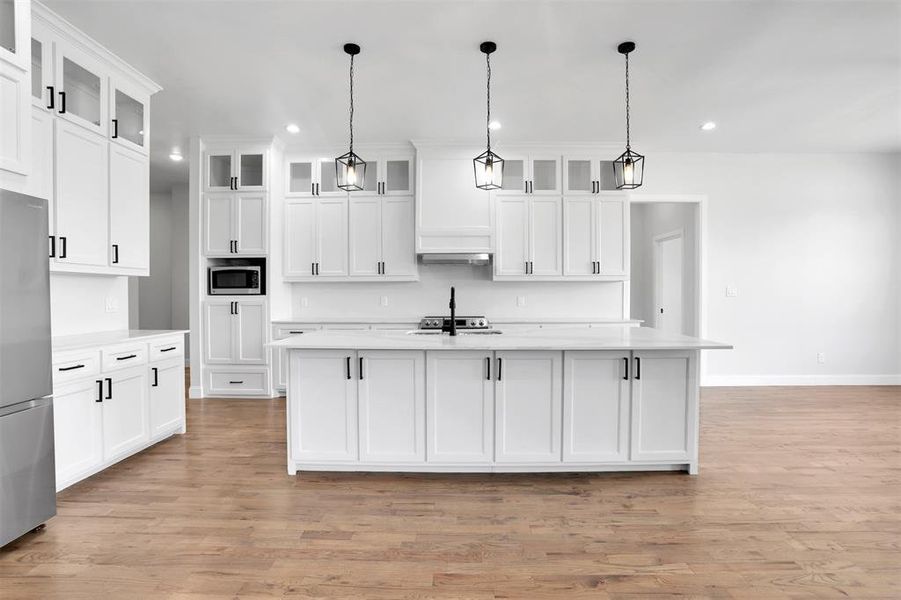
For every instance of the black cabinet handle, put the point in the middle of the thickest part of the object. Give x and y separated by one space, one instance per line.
383 267
348 367
317 268
115 254
237 307
63 246
168 349
129 357
312 268
500 365
361 368
626 367
488 367
236 246
637 367
531 187
156 377
109 388
115 128
312 189
72 368
295 332
52 97
99 391
62 103
526 184
317 189
237 382
52 246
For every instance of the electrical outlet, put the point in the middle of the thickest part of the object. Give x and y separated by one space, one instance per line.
112 304
821 358
520 301
731 292
384 301
304 302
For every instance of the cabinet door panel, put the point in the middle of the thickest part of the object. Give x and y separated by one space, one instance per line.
331 236
545 236
82 195
40 179
218 229
130 118
397 175
77 430
579 236
365 235
250 212
323 409
14 119
129 208
528 409
545 176
167 397
251 328
512 236
392 406
300 177
126 412
460 407
85 85
219 328
578 175
613 233
252 169
300 238
398 252
664 405
219 170
595 407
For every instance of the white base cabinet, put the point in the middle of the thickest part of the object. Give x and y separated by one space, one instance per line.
486 411
110 402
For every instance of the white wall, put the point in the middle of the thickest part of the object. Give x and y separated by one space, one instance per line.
811 242
78 303
649 220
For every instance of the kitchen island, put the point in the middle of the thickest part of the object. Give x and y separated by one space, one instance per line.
565 399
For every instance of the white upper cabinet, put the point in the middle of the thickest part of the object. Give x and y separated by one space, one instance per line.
15 84
129 116
512 237
596 234
82 88
529 232
381 237
585 174
235 224
15 24
43 94
129 212
230 169
315 238
531 174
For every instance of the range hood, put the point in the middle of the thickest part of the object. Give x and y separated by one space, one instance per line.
457 258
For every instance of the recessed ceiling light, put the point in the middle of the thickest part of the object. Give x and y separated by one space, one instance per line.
494 125
292 128
708 126
175 155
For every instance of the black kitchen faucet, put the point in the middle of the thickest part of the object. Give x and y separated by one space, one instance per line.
452 328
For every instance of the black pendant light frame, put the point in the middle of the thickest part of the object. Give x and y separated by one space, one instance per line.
488 167
350 169
628 168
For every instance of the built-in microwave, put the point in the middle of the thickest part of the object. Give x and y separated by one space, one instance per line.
234 280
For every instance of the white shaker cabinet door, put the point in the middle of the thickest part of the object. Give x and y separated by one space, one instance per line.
664 405
460 406
331 237
129 184
15 118
251 229
81 196
596 406
613 234
512 236
77 429
40 179
218 224
528 406
126 412
365 235
219 331
545 233
392 406
323 405
251 332
167 397
398 254
300 238
579 236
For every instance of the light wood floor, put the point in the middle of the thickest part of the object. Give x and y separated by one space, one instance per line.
799 496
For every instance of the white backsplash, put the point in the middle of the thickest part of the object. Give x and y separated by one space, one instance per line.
78 303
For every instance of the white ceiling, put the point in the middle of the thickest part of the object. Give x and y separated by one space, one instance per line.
775 76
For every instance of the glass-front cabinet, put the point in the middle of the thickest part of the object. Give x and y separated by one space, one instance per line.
230 169
584 175
395 175
15 19
528 174
386 175
129 116
81 89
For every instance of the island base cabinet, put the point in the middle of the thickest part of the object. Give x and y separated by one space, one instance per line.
460 407
322 406
125 412
664 406
167 393
391 387
528 411
596 395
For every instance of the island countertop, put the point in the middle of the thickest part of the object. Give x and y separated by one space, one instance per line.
560 338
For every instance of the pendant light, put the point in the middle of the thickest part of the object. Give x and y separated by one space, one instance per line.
628 169
350 169
488 166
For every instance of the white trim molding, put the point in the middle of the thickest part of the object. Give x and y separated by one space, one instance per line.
797 380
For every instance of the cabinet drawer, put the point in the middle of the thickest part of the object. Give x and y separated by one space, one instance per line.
283 331
237 383
166 349
123 356
71 366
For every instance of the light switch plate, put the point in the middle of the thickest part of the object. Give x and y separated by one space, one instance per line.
384 301
821 358
304 302
520 301
731 292
112 304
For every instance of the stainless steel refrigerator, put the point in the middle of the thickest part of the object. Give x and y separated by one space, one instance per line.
27 470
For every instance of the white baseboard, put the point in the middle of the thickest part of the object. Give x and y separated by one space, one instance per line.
768 380
195 391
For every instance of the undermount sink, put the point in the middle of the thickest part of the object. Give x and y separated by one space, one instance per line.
464 332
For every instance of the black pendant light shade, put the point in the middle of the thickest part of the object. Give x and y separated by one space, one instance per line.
488 166
350 169
628 169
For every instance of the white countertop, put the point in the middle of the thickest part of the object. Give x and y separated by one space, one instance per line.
106 338
558 338
399 320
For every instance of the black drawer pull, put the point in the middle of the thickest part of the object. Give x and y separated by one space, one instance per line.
242 381
71 368
126 357
168 349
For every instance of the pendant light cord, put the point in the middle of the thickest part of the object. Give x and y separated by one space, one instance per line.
628 132
351 103
488 117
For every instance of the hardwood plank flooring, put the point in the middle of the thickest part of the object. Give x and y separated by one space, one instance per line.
799 496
